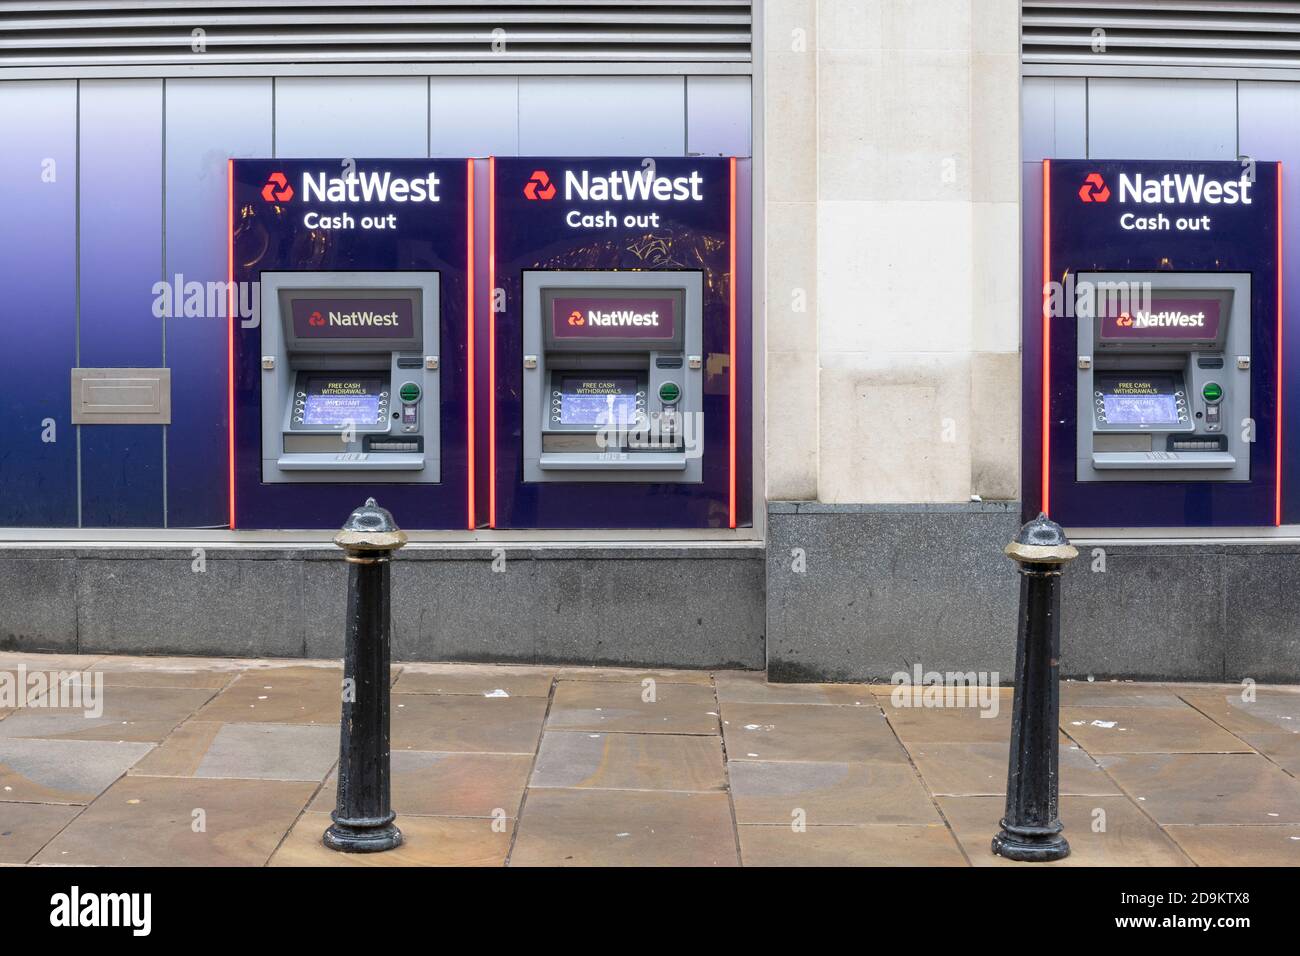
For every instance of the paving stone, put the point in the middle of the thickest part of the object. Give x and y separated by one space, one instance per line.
953 725
1239 845
1281 749
152 821
629 761
271 752
481 680
624 828
300 695
145 714
462 723
870 845
1129 838
1079 693
26 827
1208 788
450 785
206 672
1271 712
823 793
63 771
619 706
426 841
1116 730
11 661
981 768
635 676
808 732
746 687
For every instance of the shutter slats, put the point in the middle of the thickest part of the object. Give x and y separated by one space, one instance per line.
1106 35
80 33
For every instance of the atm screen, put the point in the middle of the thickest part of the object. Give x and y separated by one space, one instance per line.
1141 410
1140 399
338 400
597 401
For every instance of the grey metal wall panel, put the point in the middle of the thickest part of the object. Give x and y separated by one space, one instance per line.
474 116
617 115
718 116
207 122
355 117
1162 119
1054 118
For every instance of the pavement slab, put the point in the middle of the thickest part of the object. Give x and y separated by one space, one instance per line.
482 680
624 828
808 732
63 771
872 845
746 687
974 769
245 751
426 841
627 707
300 695
1208 788
1271 711
629 761
1239 845
1116 730
635 676
463 723
26 827
449 784
181 821
145 714
829 794
951 725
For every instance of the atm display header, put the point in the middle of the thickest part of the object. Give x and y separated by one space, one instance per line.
603 317
353 318
1165 320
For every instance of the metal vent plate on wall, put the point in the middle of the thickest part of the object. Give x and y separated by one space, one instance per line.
143 33
1108 37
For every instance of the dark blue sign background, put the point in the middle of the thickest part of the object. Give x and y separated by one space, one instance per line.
1087 237
690 235
430 237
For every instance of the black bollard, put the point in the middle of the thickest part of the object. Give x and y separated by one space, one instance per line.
363 817
1031 828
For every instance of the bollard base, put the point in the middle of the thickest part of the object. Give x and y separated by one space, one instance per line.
1031 845
350 839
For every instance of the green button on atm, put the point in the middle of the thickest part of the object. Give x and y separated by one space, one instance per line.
669 393
1212 391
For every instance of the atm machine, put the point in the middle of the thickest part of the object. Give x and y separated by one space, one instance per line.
613 376
350 387
1164 378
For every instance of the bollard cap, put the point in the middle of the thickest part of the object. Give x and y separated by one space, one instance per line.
370 528
1041 541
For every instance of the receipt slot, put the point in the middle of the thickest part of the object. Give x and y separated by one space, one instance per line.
350 377
613 379
1164 378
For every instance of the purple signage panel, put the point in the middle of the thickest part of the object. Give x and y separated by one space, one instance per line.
600 317
1130 216
1167 320
353 318
611 214
391 215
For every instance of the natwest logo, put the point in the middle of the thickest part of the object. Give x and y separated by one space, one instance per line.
575 318
316 318
1094 188
370 186
641 184
1184 188
619 317
539 186
277 188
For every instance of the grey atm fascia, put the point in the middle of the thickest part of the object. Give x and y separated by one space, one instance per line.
321 455
1107 452
539 361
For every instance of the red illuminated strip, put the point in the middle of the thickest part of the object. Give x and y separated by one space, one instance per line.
1277 437
1045 491
230 331
469 305
492 342
731 461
